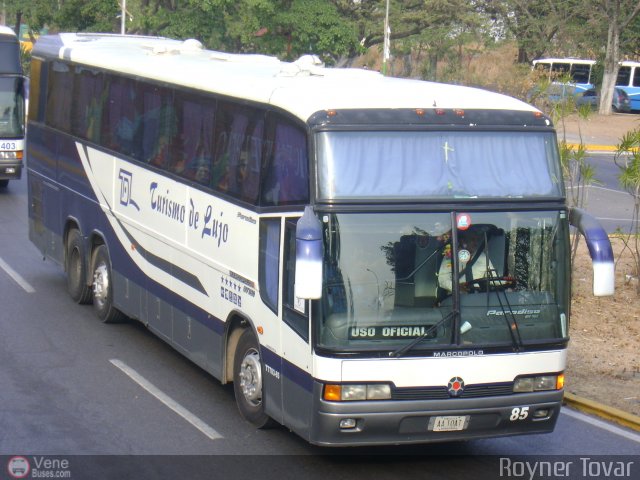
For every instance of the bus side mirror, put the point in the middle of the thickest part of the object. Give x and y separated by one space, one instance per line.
308 278
600 251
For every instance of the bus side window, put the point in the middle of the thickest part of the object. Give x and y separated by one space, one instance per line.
120 127
38 81
60 93
286 179
636 77
195 147
269 262
624 73
158 126
88 104
295 311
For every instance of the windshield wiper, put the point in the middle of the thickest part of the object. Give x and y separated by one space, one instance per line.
514 331
405 348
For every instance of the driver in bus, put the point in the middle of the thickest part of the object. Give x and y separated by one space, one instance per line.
472 261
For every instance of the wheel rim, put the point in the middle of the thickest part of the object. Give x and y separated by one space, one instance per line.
251 377
100 284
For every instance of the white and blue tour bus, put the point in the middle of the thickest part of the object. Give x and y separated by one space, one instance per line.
12 107
578 70
295 229
629 80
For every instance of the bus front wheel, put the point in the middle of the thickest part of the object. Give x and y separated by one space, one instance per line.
248 381
103 287
76 268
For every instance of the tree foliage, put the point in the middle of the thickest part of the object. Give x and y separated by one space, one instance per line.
425 34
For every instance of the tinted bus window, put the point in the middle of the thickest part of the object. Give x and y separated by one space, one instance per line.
159 125
192 149
624 73
286 179
60 93
239 141
88 104
120 125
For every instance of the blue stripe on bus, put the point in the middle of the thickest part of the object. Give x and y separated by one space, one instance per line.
59 153
287 369
169 268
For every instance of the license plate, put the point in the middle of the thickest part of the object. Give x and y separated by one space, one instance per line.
448 424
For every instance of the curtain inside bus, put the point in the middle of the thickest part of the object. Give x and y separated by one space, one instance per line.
437 164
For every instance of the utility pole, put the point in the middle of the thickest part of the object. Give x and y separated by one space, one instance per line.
123 17
386 54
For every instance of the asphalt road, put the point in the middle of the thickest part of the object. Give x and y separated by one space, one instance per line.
113 401
611 205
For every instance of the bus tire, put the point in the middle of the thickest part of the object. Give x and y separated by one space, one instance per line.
76 268
248 374
103 287
4 183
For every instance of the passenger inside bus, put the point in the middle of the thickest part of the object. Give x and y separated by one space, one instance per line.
474 260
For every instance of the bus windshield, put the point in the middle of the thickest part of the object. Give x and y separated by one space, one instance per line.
389 278
11 107
437 164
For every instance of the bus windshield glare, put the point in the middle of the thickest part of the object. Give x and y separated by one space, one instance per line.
11 107
388 279
437 164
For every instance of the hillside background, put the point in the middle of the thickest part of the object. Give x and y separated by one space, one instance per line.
488 43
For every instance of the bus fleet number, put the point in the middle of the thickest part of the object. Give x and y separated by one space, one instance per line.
8 146
519 413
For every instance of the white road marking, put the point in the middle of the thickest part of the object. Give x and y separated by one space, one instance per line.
16 277
606 189
168 401
602 424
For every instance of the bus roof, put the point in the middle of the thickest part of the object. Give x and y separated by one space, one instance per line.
565 60
302 87
629 63
7 31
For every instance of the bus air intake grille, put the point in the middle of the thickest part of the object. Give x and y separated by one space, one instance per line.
441 393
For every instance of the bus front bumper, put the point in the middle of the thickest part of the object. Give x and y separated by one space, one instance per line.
10 169
405 422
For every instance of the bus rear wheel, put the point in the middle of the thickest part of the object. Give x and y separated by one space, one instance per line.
248 381
76 268
103 287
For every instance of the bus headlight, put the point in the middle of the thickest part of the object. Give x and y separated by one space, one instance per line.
538 383
350 393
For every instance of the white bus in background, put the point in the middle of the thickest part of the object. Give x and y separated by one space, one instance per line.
579 71
629 81
12 107
291 229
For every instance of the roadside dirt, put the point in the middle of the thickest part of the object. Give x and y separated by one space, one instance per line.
604 360
604 364
598 129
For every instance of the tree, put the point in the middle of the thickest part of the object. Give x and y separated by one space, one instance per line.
37 14
627 160
287 28
431 25
619 14
86 16
539 27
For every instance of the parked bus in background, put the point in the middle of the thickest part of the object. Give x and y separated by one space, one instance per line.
369 260
629 81
12 107
579 72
